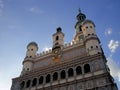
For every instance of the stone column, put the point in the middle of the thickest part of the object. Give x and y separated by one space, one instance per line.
44 80
51 79
37 82
58 77
66 71
74 71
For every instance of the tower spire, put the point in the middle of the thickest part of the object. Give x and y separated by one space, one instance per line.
80 17
79 10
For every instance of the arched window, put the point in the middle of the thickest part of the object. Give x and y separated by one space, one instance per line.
48 78
34 82
78 70
22 85
96 46
91 46
86 68
57 38
88 34
27 69
86 27
41 80
98 52
63 74
70 72
57 43
90 26
80 29
55 76
28 84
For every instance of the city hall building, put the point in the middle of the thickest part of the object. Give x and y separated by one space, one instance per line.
78 65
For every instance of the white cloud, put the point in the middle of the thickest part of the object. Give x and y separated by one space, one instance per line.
114 69
108 31
46 48
113 45
1 7
35 10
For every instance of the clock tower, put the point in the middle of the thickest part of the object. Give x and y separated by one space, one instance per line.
58 43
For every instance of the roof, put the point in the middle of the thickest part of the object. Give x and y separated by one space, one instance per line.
33 44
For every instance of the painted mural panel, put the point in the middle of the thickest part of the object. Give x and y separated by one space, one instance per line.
74 53
43 63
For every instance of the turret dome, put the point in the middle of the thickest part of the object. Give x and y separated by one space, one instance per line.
87 21
33 44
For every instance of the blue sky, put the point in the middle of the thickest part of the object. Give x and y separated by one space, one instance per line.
23 21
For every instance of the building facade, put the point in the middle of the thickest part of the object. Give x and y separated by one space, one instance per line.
79 65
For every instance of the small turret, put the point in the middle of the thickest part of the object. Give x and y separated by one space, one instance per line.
88 28
85 31
91 40
58 37
58 43
32 49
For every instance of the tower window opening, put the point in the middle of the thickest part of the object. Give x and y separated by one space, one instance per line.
57 38
88 34
90 26
63 74
31 49
28 84
55 76
96 46
80 29
78 70
30 56
86 68
27 69
98 52
56 43
82 18
86 27
91 46
41 80
70 72
22 85
48 78
34 82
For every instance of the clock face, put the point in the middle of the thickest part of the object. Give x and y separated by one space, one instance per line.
57 51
